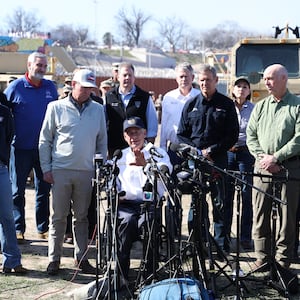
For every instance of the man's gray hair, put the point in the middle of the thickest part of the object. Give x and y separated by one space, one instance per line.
185 66
207 68
32 57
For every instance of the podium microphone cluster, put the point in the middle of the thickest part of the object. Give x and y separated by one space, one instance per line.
187 151
113 162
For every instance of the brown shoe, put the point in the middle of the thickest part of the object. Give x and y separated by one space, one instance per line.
17 270
43 235
53 268
85 267
20 238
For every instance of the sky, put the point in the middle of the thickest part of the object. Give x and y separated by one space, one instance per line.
99 15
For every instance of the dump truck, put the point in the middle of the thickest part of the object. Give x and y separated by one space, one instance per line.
250 57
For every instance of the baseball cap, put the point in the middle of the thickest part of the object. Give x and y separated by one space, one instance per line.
85 77
115 66
68 79
242 79
133 122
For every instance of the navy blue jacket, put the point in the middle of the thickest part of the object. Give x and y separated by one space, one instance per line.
212 123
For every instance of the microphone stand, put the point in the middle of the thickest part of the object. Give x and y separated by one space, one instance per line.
109 173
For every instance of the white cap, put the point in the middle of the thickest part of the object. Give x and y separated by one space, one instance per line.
85 77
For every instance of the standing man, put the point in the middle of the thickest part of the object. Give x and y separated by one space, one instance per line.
273 138
113 80
209 122
10 251
28 98
172 106
124 101
73 132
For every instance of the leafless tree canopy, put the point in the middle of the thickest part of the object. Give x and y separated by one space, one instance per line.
173 30
132 24
22 21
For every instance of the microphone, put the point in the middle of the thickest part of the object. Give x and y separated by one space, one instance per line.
113 162
147 192
122 195
116 156
186 151
166 172
98 160
152 150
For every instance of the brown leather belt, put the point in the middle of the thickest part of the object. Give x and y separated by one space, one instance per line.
238 149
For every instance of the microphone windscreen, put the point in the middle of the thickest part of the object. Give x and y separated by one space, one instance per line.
164 169
117 154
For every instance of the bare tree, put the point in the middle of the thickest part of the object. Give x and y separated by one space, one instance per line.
172 29
132 24
22 21
224 35
82 33
65 35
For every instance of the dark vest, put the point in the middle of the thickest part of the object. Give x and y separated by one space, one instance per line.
116 114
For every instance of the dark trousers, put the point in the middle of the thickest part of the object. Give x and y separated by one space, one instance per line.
130 221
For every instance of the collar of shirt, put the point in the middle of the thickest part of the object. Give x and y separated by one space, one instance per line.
31 83
126 97
282 100
80 107
210 100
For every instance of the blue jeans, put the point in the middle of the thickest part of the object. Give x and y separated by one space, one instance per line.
10 251
241 161
21 163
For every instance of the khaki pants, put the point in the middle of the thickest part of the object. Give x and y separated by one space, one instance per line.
286 216
70 188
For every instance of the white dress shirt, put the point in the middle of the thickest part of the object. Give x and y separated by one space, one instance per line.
172 105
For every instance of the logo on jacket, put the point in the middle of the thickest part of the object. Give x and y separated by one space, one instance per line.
137 104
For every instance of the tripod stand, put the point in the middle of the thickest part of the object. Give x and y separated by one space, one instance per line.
237 279
200 236
105 181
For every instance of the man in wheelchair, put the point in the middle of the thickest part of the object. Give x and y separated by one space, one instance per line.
135 184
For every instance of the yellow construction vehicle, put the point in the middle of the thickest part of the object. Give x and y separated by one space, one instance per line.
250 56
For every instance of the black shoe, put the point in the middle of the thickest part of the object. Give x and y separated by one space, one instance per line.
85 267
17 270
246 245
53 268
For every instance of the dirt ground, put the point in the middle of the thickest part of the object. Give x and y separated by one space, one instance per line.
38 285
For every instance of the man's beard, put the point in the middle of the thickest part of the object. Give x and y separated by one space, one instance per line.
38 76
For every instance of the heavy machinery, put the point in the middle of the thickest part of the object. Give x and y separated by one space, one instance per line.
13 62
250 56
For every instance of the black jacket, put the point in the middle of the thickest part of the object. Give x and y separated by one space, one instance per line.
211 124
6 133
116 113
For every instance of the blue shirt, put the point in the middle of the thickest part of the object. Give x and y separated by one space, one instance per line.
243 117
152 124
28 105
